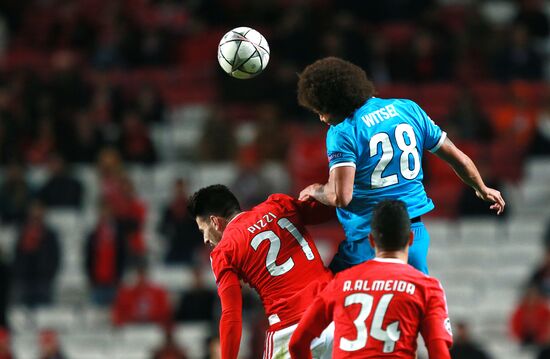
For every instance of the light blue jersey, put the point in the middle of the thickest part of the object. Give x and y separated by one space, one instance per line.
384 140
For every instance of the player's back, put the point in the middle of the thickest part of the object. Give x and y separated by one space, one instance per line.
271 250
384 139
380 306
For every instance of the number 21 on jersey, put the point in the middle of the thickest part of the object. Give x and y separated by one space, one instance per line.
408 150
275 246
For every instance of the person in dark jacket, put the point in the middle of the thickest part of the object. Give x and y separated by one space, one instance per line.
61 190
105 257
464 347
4 290
179 229
50 348
37 259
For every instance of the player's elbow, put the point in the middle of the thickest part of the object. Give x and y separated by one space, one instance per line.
343 199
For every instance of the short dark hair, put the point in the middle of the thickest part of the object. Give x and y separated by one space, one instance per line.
215 200
390 225
334 86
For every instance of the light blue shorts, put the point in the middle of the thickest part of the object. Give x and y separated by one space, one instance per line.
352 253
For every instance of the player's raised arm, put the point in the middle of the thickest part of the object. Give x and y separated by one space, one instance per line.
465 168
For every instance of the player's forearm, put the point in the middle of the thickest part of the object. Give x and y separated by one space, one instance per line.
230 321
437 349
299 346
463 165
230 338
465 168
326 195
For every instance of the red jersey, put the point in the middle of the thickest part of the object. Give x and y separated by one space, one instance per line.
269 248
378 308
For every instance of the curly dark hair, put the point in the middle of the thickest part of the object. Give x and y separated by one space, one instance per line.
334 86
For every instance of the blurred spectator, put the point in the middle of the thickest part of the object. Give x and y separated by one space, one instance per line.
149 105
250 184
463 346
37 259
15 195
218 139
469 204
49 345
467 120
534 18
141 302
169 349
87 140
61 188
530 321
43 143
5 345
545 351
213 348
130 211
105 257
272 140
541 276
196 303
514 120
179 230
111 174
540 144
5 279
518 59
134 142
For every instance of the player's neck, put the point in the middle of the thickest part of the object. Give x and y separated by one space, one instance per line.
401 255
233 216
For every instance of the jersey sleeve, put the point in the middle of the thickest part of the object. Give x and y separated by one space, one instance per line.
341 149
436 324
314 212
221 259
433 135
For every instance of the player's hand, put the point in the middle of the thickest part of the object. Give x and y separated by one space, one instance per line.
494 196
309 192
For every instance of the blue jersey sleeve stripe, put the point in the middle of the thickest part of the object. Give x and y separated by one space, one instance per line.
343 164
439 143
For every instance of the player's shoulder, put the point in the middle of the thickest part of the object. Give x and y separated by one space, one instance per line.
426 280
277 201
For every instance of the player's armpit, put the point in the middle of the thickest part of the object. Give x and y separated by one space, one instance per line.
438 349
229 290
312 324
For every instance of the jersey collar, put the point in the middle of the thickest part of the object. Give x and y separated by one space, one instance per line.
388 260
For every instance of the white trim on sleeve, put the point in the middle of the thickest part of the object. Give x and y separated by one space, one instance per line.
343 164
439 143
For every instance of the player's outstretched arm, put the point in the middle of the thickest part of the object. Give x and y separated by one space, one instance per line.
337 192
465 168
229 291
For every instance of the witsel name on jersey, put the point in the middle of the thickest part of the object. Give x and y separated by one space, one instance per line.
375 117
389 285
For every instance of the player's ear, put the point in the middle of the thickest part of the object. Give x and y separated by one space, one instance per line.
215 220
411 238
371 240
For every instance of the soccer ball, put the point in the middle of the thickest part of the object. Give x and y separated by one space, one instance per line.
243 53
